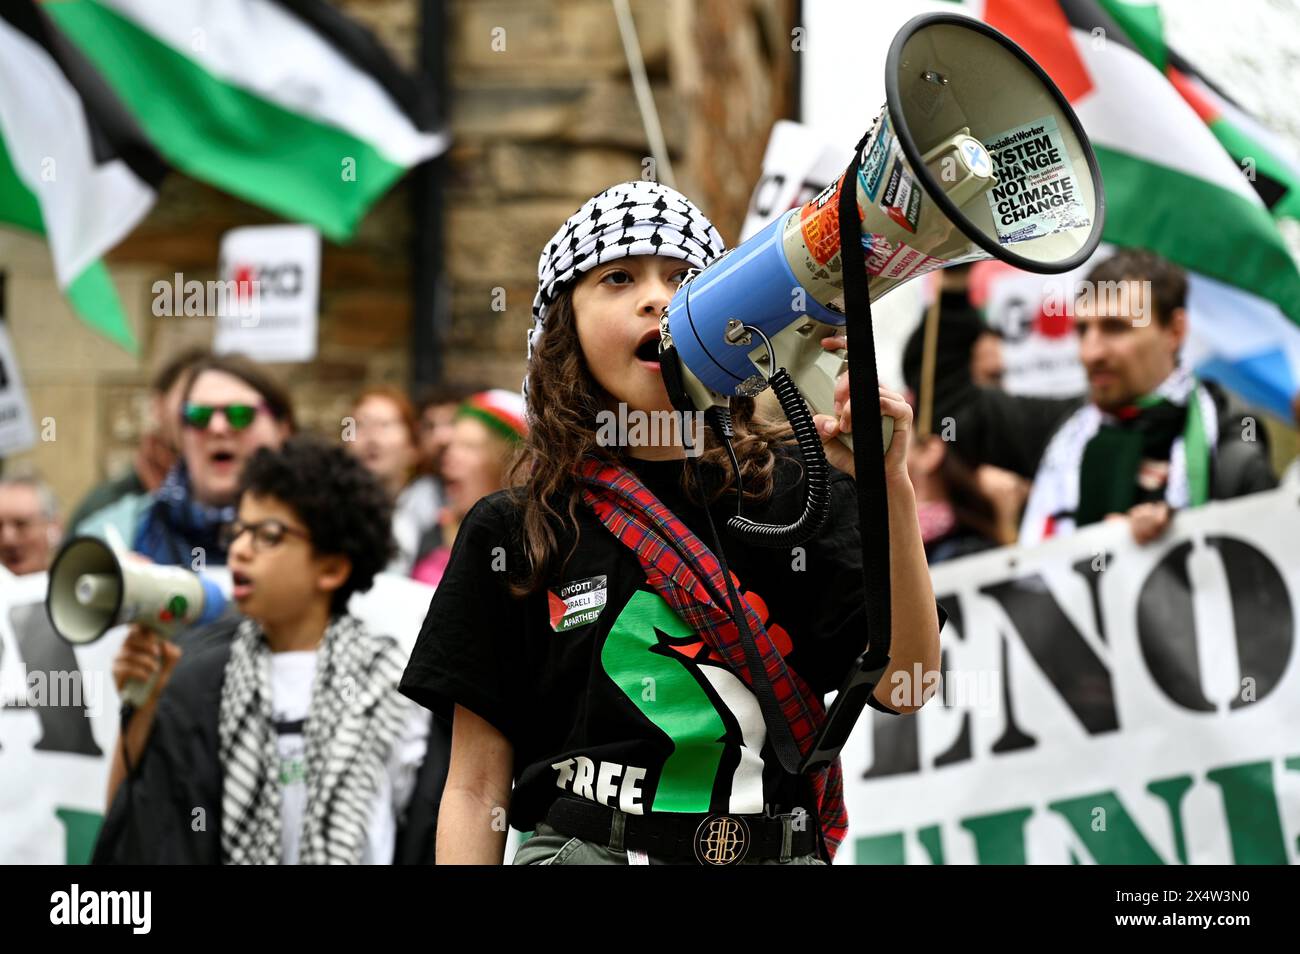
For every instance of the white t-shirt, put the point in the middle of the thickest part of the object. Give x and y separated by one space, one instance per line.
292 677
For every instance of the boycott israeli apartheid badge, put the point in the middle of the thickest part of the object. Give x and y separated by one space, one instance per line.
577 603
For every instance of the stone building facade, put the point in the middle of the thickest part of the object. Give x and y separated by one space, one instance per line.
542 116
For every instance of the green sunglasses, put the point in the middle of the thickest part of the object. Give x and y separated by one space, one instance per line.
238 416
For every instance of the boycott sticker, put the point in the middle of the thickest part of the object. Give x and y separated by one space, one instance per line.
1036 194
577 603
872 166
901 200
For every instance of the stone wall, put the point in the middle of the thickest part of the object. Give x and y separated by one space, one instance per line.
545 117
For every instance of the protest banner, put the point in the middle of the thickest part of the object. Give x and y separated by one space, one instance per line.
1105 703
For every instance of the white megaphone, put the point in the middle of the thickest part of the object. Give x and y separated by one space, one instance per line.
975 155
93 589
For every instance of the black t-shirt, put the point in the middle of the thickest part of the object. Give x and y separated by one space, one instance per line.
602 690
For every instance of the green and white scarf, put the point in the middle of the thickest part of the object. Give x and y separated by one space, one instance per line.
1090 466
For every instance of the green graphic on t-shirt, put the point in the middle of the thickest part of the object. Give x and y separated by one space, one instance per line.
292 771
672 699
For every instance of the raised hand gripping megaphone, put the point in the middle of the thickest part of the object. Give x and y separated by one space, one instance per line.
976 154
93 588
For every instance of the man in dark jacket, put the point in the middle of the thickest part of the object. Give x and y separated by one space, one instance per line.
1146 440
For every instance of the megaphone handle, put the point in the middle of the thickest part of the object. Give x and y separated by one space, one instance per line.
136 692
817 384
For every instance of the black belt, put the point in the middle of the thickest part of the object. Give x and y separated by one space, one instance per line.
715 839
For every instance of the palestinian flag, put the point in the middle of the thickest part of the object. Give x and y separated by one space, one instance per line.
74 167
1169 147
287 104
1269 163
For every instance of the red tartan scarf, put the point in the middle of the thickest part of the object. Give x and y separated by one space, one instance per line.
658 537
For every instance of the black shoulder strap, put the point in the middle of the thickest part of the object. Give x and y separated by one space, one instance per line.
864 395
869 464
873 507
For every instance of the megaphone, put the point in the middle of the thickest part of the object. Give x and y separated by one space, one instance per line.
93 589
976 154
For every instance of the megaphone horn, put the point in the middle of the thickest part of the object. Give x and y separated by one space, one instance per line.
976 154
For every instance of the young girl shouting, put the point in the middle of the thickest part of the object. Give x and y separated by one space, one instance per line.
599 692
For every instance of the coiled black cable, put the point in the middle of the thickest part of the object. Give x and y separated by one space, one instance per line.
719 420
817 476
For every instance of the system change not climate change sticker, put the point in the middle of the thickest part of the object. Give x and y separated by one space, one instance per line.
1037 193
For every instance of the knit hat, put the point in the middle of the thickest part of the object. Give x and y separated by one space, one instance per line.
631 218
501 410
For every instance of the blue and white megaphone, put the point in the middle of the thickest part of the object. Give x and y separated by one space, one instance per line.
975 155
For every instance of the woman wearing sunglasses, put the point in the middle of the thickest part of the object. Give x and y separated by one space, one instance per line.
231 407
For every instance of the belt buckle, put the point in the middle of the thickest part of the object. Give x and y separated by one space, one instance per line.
722 840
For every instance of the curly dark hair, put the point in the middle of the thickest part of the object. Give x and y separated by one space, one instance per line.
342 505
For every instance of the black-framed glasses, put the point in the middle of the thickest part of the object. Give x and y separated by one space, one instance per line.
266 533
238 416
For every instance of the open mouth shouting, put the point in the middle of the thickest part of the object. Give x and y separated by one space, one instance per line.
223 460
647 350
241 586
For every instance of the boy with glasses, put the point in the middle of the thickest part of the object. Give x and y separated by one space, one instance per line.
286 738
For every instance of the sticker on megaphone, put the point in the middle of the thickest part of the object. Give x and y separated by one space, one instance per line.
1036 194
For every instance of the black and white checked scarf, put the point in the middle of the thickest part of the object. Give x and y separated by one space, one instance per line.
353 721
631 218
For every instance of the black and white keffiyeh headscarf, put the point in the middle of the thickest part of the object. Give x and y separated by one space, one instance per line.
353 721
631 218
